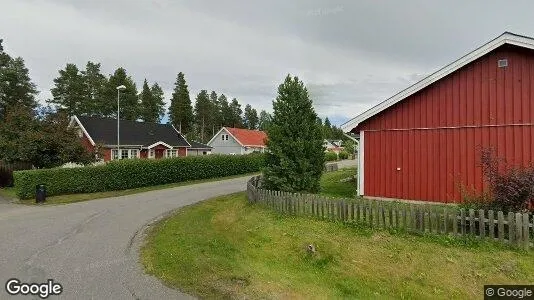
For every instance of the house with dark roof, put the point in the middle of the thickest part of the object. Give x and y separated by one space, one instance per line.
238 141
135 139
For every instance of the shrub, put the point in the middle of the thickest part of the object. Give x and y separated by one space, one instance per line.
330 156
511 188
127 174
343 155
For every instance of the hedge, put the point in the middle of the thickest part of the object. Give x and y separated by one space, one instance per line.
330 156
343 155
135 173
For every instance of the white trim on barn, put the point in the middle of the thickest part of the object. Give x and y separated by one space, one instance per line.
505 38
361 161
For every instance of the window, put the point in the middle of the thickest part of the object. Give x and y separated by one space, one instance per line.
125 153
151 153
224 137
171 153
114 154
204 153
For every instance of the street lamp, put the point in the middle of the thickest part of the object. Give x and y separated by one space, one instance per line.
119 89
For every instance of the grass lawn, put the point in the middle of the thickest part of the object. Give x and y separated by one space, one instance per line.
225 247
10 193
330 185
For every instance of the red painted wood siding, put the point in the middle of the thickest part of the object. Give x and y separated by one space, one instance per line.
435 135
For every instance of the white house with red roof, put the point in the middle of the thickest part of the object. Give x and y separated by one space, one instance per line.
238 141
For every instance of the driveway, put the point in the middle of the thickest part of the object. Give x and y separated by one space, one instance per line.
347 163
91 248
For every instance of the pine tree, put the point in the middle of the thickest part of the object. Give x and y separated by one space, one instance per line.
295 159
251 117
226 113
95 85
202 114
16 88
236 119
264 120
69 94
181 110
129 101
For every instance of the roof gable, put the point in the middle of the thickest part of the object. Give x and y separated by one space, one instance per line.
505 38
104 130
247 137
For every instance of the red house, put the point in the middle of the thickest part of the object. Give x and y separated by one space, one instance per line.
424 142
137 139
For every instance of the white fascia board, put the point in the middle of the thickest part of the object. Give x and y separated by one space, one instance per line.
505 38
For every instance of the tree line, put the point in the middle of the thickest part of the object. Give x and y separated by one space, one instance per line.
88 92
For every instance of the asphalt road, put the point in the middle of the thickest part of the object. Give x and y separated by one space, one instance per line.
92 248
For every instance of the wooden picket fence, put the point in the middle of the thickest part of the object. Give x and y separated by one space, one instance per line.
516 229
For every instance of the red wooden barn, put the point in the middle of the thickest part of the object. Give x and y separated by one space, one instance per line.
424 142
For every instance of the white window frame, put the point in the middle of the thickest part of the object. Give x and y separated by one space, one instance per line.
171 153
114 154
151 153
129 151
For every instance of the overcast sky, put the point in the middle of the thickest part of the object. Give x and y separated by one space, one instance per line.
350 54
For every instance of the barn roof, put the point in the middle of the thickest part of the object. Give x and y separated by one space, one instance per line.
104 130
505 38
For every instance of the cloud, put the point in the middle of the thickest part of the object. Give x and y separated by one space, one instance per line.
350 54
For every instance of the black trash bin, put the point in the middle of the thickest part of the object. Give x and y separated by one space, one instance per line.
40 193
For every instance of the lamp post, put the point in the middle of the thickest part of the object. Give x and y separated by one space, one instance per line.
119 88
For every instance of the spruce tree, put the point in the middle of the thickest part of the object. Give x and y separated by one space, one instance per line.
69 94
295 159
181 110
157 109
95 84
146 101
129 101
202 115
